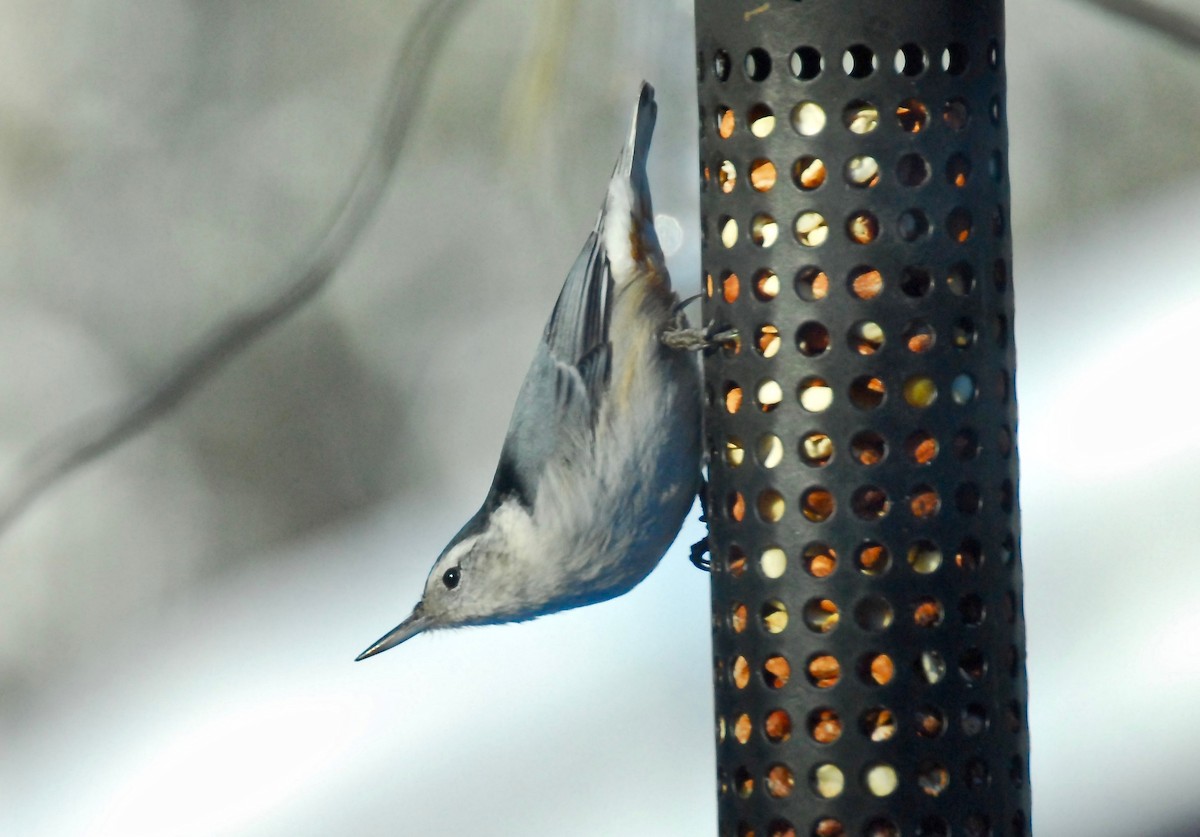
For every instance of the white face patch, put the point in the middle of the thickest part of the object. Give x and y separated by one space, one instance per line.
459 550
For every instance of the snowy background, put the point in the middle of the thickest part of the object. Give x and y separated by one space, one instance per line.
178 621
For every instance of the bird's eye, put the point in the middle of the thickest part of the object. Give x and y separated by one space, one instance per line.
451 577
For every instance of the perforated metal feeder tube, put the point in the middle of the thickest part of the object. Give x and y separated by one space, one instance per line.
869 651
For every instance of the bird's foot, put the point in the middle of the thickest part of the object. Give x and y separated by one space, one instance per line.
698 339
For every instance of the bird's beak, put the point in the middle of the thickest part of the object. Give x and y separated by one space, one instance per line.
407 629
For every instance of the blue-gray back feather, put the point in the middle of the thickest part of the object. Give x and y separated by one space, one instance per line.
565 385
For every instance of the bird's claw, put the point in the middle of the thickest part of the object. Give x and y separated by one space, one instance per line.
698 339
701 548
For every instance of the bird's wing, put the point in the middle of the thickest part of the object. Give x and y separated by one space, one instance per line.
576 336
565 385
560 400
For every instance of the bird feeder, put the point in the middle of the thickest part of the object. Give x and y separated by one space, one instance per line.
868 637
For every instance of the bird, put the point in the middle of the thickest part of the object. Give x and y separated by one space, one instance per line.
603 455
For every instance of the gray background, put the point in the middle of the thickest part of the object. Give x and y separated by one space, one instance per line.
177 621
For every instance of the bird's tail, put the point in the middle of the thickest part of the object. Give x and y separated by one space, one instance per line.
627 220
637 146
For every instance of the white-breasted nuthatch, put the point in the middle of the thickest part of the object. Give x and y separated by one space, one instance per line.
603 454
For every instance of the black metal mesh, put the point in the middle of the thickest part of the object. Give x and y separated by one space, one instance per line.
868 634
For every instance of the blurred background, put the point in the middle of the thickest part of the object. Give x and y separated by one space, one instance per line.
178 620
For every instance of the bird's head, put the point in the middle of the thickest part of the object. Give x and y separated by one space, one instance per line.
472 582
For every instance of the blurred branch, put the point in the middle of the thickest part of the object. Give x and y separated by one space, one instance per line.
74 446
1178 26
536 83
